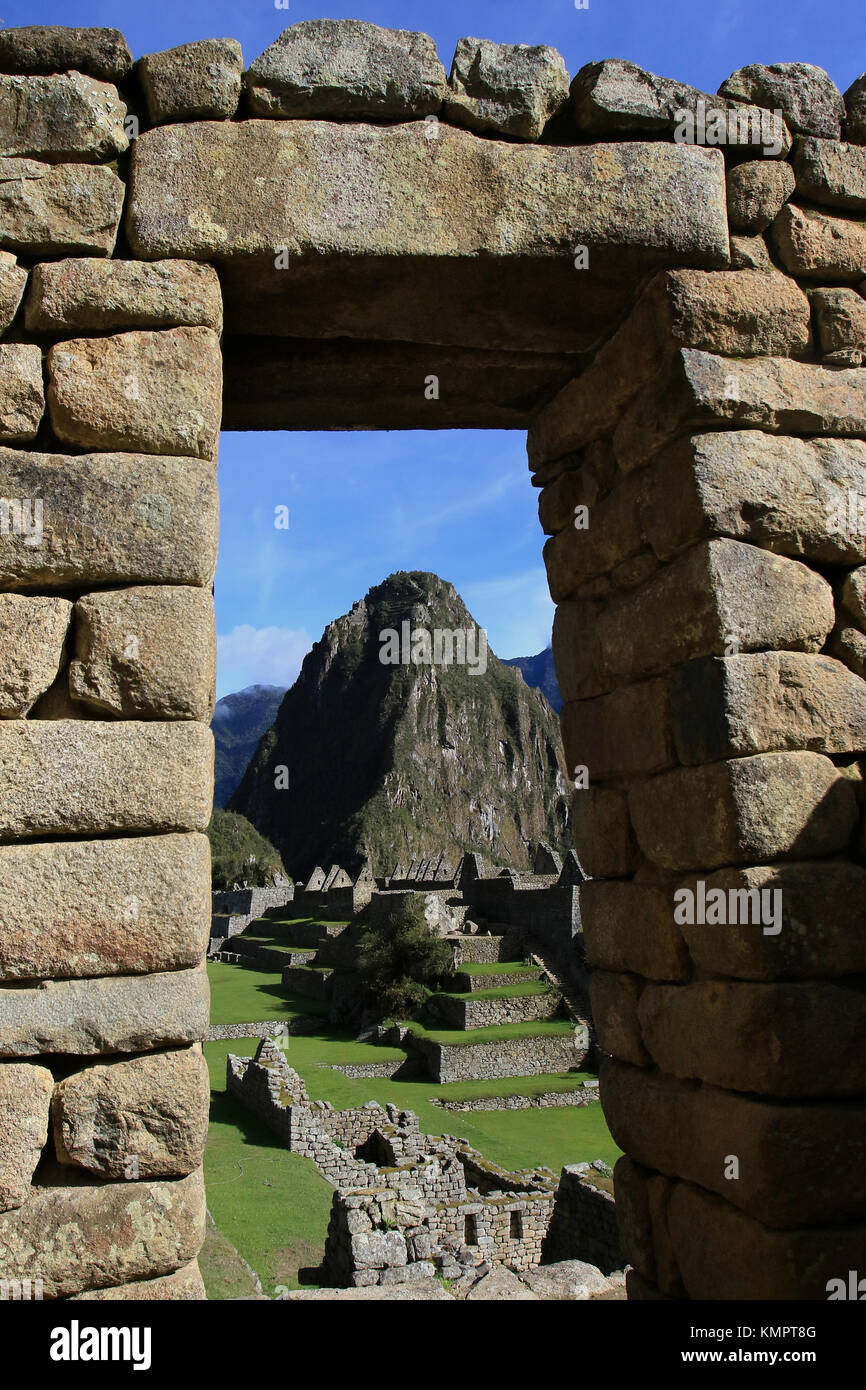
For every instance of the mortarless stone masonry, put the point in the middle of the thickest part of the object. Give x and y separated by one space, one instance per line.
700 395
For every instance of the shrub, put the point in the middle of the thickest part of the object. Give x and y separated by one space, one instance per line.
399 958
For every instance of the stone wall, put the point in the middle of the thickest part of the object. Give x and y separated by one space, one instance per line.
520 1056
456 1012
700 482
583 1224
701 487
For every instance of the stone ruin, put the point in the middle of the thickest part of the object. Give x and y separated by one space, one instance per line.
409 1206
671 306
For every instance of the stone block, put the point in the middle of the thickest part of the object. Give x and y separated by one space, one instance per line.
346 68
87 1238
505 88
146 653
107 519
630 926
855 106
63 117
615 97
831 173
88 295
580 669
796 1039
82 777
719 594
820 910
13 281
730 707
633 1215
132 1013
50 48
559 498
750 253
378 1249
741 313
808 98
690 1131
853 595
104 907
816 246
787 495
614 999
840 322
622 734
701 390
603 836
724 1254
59 209
746 811
537 200
185 1283
143 1117
157 393
611 534
25 1101
848 645
757 192
196 81
32 640
22 396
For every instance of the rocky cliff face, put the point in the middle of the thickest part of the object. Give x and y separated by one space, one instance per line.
386 760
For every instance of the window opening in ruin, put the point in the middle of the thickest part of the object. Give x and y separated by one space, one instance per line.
470 1231
516 1226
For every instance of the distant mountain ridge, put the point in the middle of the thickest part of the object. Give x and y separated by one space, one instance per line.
540 672
238 723
387 761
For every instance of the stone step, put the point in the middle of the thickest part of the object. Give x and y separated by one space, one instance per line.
302 934
531 1055
468 1011
468 981
307 980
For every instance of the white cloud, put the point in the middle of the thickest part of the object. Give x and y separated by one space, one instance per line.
259 656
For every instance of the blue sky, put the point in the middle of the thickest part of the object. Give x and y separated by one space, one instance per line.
363 505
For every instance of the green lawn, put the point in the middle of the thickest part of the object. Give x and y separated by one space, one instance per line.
459 1038
241 995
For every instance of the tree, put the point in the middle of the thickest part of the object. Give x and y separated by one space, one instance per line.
240 855
399 957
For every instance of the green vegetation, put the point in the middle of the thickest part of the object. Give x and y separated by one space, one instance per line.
497 1033
504 991
239 854
400 957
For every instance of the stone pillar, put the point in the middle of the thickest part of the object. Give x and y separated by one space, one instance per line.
109 420
699 485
